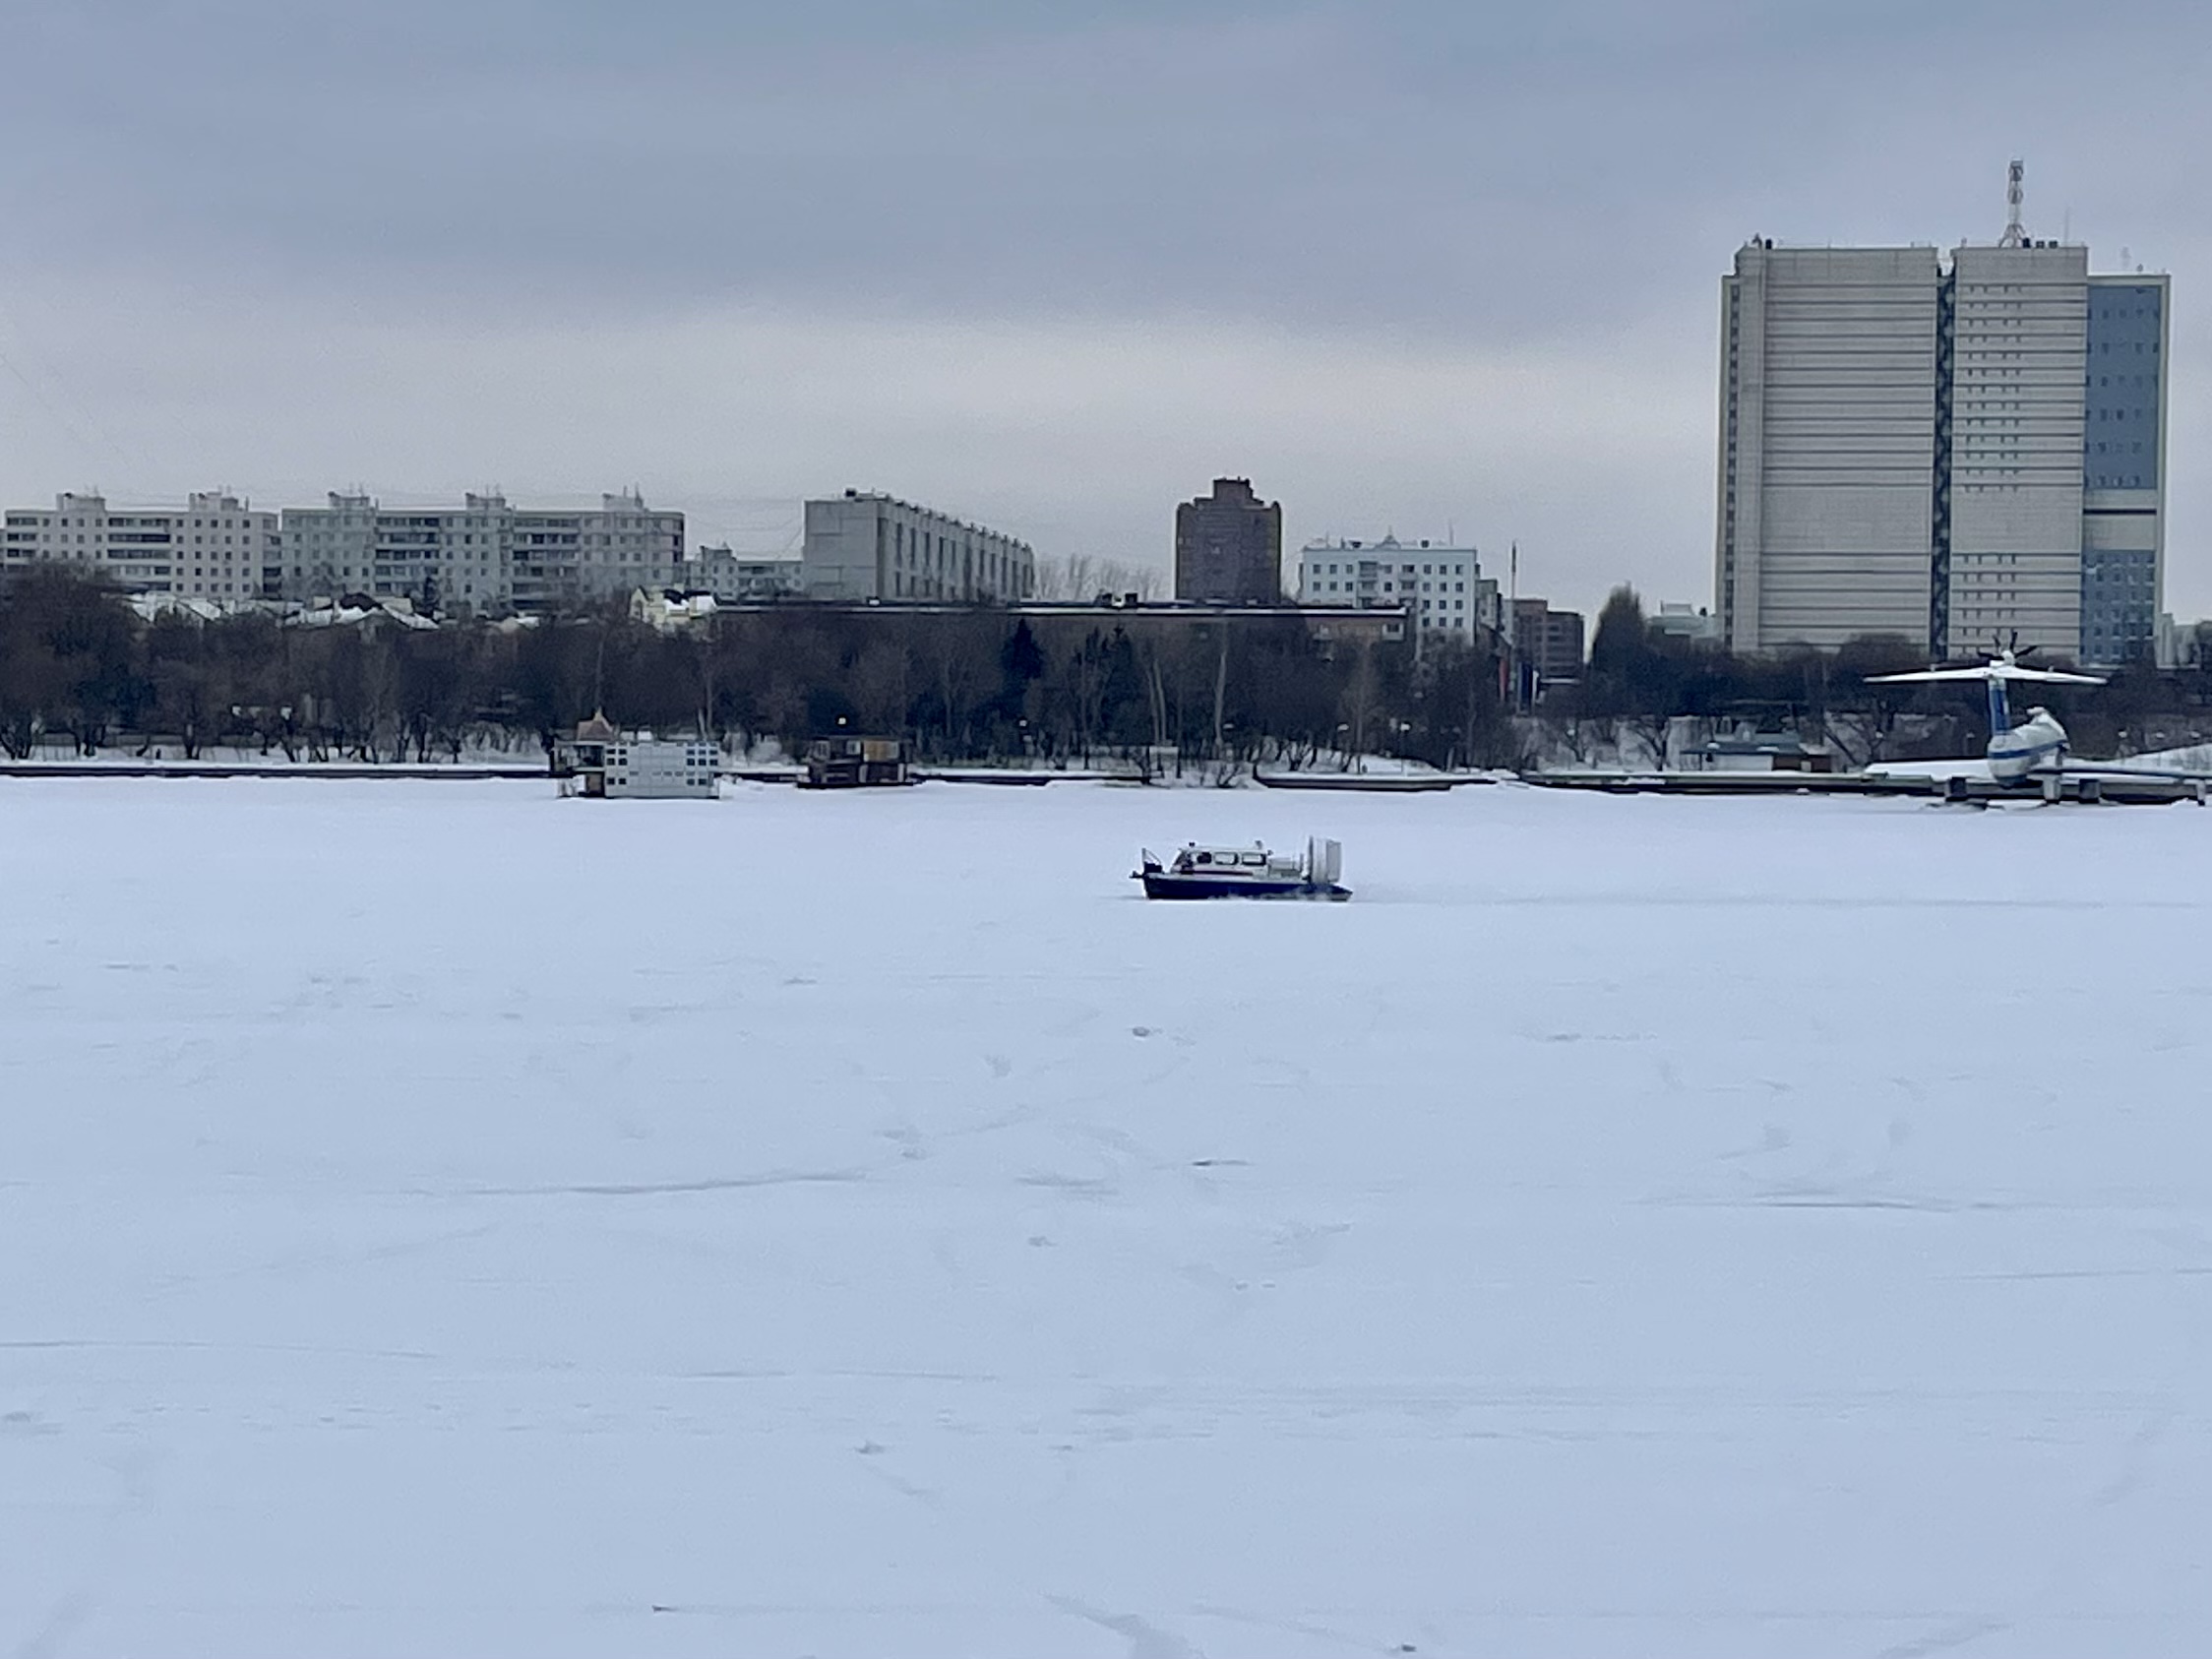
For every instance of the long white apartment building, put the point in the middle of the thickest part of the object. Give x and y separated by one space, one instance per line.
436 559
569 558
862 545
1442 588
216 546
1955 448
484 555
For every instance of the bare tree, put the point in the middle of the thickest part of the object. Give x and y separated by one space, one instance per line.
962 653
1070 577
1078 578
1362 691
879 684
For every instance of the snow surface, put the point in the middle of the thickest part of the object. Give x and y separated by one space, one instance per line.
444 1219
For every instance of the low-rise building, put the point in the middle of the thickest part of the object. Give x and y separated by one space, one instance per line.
730 575
671 610
1442 587
1373 625
1747 750
1695 623
863 546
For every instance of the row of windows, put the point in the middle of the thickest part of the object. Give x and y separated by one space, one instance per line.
1407 569
1320 586
95 522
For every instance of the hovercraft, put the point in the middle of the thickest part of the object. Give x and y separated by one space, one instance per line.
1251 871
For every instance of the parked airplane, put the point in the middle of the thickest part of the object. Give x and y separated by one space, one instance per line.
2034 752
2014 751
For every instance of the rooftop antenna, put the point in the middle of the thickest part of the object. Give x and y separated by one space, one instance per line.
2015 237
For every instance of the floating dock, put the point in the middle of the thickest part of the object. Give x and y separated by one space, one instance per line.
2087 787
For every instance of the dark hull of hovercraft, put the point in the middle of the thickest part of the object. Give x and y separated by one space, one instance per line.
1165 886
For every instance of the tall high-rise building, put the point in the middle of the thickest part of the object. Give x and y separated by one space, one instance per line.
1229 546
1955 450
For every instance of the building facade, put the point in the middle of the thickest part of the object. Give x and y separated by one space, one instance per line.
865 546
1548 641
1229 547
485 555
1683 621
1956 451
217 546
732 576
565 559
1442 587
2124 469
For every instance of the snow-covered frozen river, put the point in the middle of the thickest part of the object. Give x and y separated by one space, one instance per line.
441 1219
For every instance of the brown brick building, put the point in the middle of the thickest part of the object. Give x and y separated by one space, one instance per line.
1229 546
1549 640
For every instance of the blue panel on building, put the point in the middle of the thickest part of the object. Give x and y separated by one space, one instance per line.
2120 440
2118 605
2120 451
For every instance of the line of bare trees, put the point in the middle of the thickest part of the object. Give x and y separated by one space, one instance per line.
77 665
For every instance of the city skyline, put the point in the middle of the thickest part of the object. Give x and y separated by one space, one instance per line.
1487 317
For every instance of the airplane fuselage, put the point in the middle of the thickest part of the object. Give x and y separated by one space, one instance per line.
2037 746
2017 751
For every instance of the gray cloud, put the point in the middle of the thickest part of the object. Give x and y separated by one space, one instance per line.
294 246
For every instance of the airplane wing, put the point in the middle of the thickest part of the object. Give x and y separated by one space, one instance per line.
1924 674
1989 671
2046 676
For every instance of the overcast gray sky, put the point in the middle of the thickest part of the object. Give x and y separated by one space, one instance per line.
1425 266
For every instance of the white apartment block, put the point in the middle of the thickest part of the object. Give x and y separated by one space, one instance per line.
485 555
868 546
571 558
733 577
216 546
1442 588
1956 451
